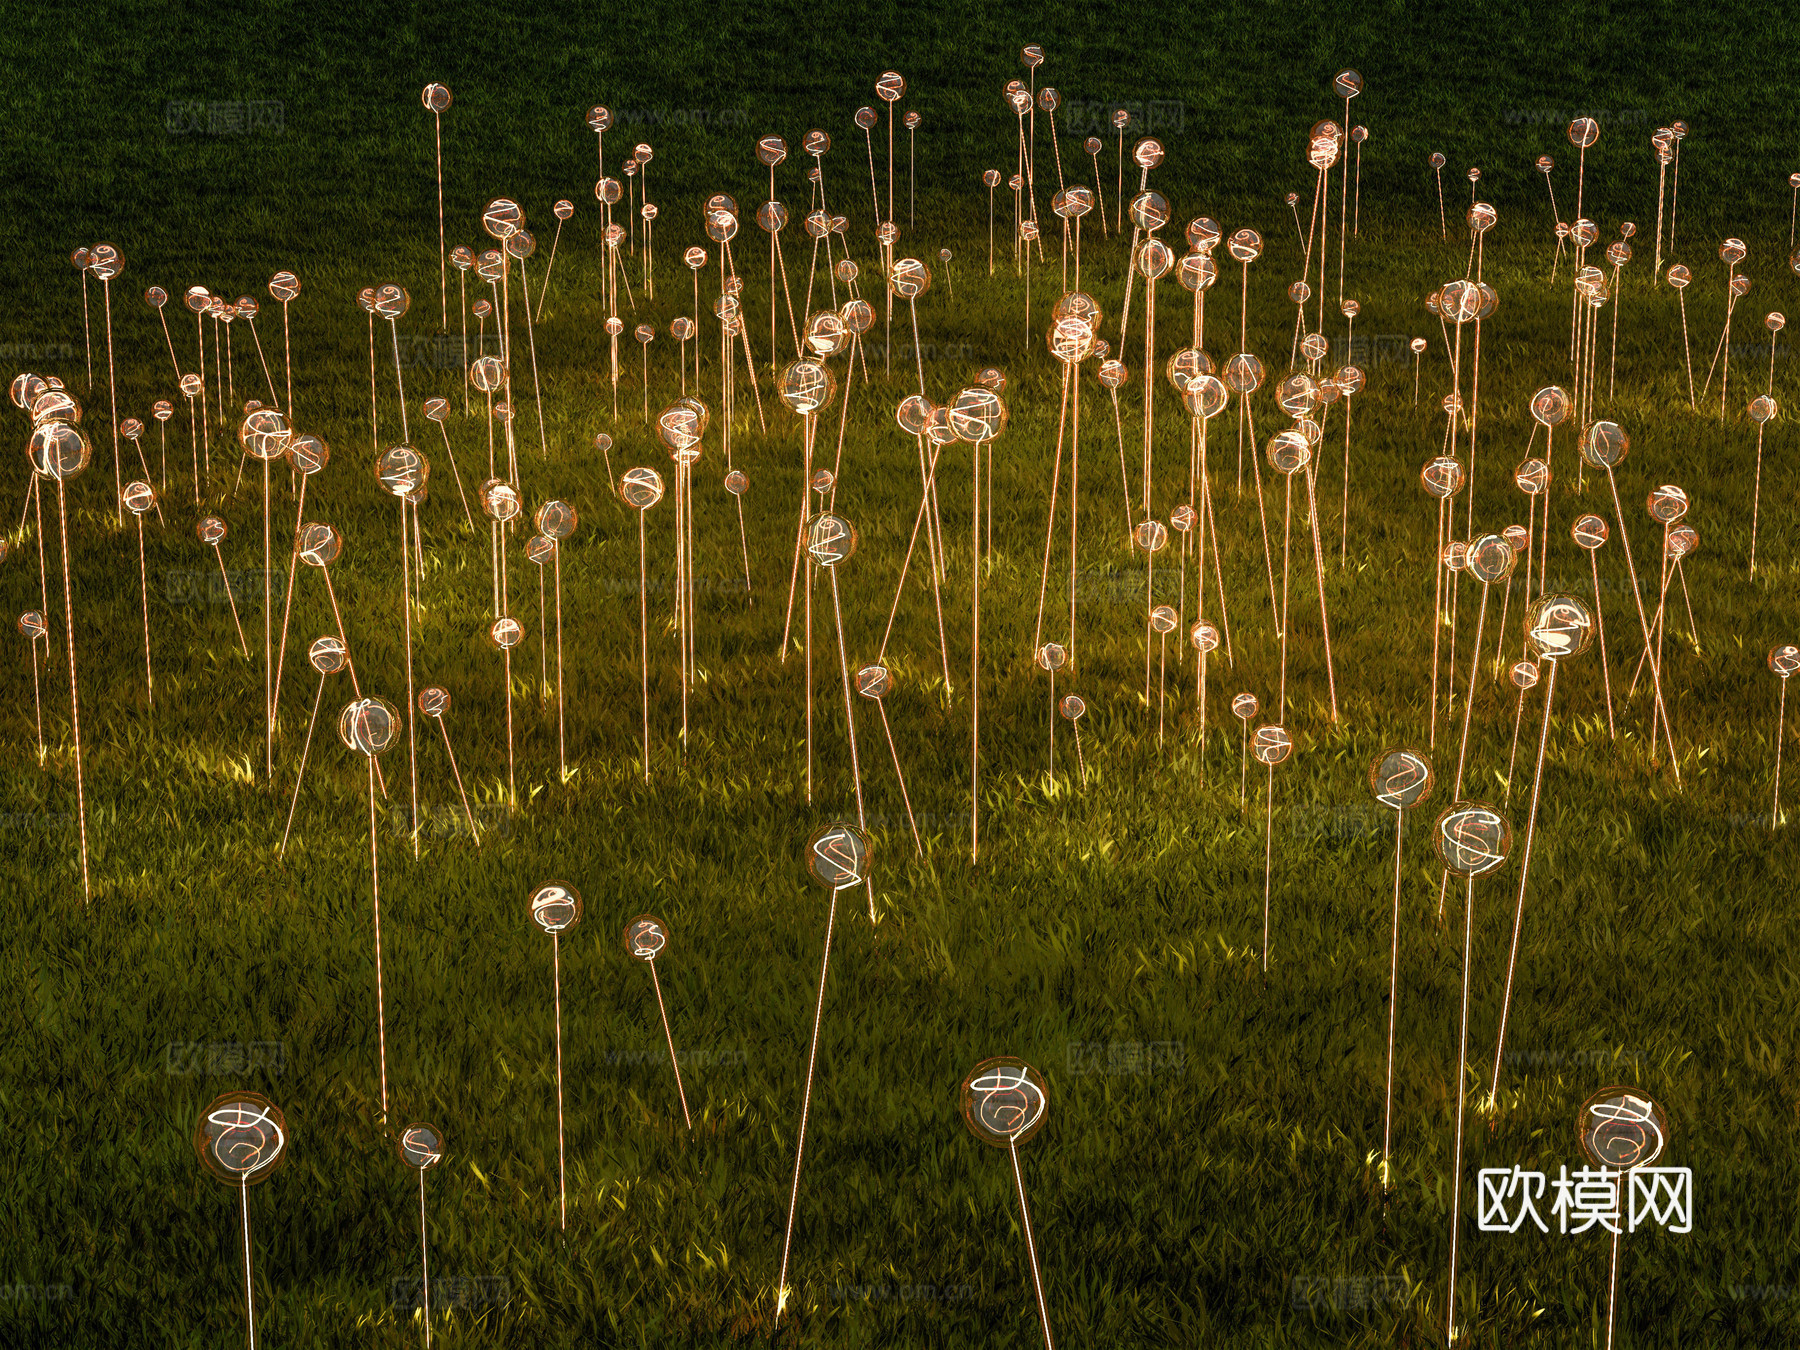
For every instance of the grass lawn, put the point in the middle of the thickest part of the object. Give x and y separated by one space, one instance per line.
1209 1171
